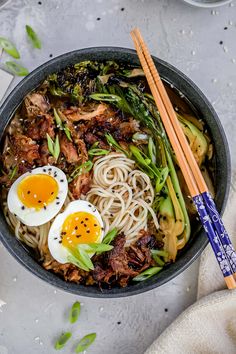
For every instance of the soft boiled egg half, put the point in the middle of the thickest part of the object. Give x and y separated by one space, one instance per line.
37 196
79 224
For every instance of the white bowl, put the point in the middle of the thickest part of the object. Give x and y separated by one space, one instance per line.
207 3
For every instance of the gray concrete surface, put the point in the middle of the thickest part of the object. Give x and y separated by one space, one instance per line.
188 38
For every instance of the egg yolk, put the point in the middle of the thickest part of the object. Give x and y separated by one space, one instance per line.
37 191
80 227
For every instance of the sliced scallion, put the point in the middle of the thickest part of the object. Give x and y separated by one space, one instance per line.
110 236
74 312
16 69
85 342
33 37
147 274
9 48
62 340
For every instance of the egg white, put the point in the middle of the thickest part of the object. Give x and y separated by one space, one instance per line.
31 216
57 250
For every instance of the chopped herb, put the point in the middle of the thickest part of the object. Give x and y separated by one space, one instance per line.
85 342
33 37
112 142
62 340
74 312
9 48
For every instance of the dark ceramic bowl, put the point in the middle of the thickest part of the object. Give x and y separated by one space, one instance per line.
198 238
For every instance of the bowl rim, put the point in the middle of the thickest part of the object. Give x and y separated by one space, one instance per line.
19 253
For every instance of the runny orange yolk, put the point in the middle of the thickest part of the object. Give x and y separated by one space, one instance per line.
37 191
80 227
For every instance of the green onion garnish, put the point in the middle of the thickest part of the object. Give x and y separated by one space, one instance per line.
85 342
147 273
74 312
85 167
33 37
54 146
9 48
97 152
110 236
112 142
105 97
16 69
60 343
12 175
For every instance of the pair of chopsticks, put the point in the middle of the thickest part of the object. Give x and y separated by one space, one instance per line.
208 214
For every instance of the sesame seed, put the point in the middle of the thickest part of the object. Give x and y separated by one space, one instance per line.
82 222
44 170
85 225
35 195
76 228
86 219
44 207
52 193
88 232
39 201
55 238
50 169
60 241
95 224
90 206
57 198
78 236
57 203
22 207
61 180
28 192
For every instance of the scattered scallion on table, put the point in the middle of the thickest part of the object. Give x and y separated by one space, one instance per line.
74 312
34 39
16 68
9 48
62 340
85 342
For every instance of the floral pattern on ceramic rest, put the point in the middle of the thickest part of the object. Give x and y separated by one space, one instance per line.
214 241
220 228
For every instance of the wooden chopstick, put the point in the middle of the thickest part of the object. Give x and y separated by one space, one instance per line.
191 172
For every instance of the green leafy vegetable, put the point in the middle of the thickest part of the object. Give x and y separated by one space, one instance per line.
85 167
98 152
53 146
74 312
110 236
9 47
85 342
33 37
16 69
147 273
62 340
